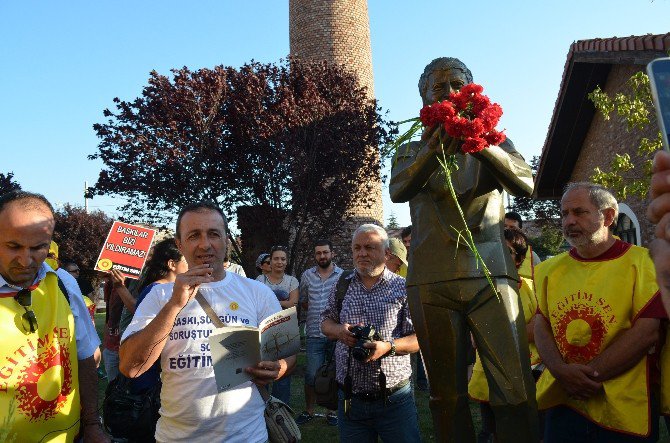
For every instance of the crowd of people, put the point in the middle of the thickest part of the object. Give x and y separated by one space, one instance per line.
570 349
593 324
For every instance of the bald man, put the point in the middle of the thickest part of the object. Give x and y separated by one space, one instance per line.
48 380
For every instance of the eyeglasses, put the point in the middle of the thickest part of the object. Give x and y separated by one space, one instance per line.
25 299
266 262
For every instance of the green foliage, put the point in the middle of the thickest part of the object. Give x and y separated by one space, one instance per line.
634 106
393 222
549 243
8 184
544 212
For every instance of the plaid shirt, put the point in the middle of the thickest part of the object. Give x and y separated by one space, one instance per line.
385 307
315 292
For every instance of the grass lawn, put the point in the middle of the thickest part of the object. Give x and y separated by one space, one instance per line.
317 430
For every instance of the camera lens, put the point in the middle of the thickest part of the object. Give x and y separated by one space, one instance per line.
359 352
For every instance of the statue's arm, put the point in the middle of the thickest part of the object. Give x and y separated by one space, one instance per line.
413 165
509 168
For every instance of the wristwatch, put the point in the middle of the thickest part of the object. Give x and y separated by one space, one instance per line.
391 352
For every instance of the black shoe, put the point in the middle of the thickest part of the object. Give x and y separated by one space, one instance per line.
304 418
331 419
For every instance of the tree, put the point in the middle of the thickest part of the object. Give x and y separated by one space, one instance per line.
546 214
636 108
80 235
393 222
293 144
7 183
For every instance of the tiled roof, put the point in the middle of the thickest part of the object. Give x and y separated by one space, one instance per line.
649 42
588 64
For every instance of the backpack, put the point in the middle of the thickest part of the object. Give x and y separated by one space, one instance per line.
325 381
131 415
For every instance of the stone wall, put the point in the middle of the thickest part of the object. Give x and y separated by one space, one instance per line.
609 137
338 31
334 30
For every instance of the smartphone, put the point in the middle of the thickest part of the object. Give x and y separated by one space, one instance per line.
659 78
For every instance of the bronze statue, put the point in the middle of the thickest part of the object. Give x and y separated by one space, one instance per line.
448 294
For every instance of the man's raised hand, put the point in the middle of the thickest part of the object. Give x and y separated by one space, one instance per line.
186 285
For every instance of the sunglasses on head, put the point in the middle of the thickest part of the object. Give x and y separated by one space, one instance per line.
25 298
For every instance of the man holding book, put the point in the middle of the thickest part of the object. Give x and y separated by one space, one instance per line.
171 325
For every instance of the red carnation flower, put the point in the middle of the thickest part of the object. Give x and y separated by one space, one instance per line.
480 103
442 111
467 115
495 137
459 100
474 144
427 116
472 88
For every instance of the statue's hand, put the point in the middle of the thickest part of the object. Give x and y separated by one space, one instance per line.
438 140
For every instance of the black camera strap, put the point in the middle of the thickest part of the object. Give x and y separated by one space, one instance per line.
348 388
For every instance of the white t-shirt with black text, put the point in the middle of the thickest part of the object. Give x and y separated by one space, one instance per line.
191 408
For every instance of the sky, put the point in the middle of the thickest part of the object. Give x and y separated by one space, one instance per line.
62 63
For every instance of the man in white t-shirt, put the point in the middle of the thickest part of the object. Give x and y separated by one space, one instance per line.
171 325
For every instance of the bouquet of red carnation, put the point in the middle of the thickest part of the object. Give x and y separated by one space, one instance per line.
467 115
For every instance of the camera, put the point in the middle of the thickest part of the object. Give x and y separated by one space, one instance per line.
363 334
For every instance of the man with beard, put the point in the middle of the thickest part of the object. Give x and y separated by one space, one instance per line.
315 285
599 311
375 337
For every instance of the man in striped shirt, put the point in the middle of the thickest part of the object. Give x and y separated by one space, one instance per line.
315 285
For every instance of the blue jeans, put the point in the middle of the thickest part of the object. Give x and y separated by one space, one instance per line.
111 361
394 422
564 425
318 350
281 389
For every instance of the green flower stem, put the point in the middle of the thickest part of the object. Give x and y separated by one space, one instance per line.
448 165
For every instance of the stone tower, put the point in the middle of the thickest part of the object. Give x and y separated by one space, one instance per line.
338 31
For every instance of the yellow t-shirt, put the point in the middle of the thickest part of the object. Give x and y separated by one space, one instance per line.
527 268
39 383
588 304
90 306
478 387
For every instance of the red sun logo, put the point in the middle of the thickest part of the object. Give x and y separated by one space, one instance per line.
29 401
580 333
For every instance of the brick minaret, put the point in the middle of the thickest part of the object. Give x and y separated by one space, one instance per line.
338 31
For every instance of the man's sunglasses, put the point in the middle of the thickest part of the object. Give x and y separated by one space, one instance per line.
25 299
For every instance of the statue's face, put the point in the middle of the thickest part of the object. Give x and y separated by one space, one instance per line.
441 83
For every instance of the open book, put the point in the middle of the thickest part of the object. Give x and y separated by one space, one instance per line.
237 347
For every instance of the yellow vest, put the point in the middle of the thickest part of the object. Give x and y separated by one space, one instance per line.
478 388
589 304
527 268
39 383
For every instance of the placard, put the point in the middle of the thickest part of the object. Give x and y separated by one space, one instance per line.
125 249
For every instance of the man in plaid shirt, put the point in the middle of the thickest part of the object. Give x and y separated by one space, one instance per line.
375 396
